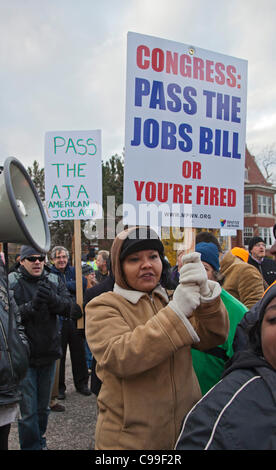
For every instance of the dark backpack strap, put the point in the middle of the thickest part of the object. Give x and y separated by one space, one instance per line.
218 352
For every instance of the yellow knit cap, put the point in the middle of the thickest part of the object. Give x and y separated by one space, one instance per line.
240 253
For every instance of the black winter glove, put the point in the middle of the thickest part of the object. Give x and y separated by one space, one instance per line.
45 294
30 309
36 301
76 312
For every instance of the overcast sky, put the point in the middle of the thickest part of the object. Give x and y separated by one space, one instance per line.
63 63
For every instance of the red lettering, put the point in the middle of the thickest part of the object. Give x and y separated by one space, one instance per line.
209 70
231 81
220 78
188 194
186 169
186 65
232 198
185 70
197 170
198 68
162 192
172 62
206 196
157 60
150 191
214 197
141 52
191 169
199 194
223 196
178 193
139 187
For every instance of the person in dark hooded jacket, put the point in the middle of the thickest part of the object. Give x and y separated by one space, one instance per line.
239 413
14 358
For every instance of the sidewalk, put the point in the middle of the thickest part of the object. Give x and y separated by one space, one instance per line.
72 429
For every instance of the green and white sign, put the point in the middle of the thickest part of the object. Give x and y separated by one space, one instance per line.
73 175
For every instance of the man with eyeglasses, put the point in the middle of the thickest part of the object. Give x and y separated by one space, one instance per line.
257 258
70 335
41 298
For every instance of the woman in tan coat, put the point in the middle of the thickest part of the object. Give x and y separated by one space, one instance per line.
142 342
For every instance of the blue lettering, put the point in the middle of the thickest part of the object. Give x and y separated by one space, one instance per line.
142 88
136 132
191 107
187 145
225 151
223 105
174 105
235 109
151 133
205 140
217 141
221 142
157 96
236 154
168 140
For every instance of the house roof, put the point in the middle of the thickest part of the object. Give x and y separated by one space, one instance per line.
255 175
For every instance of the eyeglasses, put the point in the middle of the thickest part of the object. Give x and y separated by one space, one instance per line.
260 245
33 259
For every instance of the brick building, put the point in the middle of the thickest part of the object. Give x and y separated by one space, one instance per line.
259 205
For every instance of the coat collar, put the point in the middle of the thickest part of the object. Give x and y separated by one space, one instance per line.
134 296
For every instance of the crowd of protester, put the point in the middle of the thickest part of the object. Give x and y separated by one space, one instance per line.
179 357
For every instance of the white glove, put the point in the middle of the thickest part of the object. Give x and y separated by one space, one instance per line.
186 299
193 272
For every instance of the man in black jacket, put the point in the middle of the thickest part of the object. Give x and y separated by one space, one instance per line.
41 298
71 335
257 258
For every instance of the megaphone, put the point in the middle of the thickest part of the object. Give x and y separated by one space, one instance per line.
23 219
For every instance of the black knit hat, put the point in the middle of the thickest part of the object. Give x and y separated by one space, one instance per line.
269 294
28 251
253 241
143 238
87 269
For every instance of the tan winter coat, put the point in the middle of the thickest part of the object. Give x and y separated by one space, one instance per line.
242 280
144 361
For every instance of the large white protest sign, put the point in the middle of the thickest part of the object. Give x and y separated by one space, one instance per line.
184 135
73 175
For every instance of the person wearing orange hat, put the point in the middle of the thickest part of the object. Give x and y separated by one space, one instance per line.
257 258
241 279
240 253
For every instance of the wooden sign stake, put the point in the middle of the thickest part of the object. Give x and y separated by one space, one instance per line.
188 243
190 236
79 287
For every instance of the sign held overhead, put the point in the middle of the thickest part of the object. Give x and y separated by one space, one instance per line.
184 135
73 175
